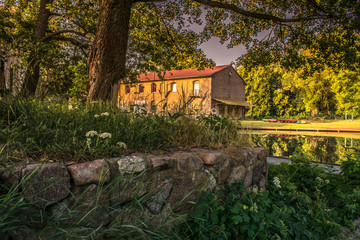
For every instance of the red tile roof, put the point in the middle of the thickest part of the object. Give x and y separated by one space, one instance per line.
181 74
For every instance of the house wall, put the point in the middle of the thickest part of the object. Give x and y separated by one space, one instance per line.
227 84
175 100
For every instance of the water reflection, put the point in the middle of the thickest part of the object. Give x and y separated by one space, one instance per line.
323 149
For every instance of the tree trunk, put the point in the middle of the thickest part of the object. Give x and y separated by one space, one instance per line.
2 76
33 71
108 54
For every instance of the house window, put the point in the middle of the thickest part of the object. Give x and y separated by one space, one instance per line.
173 87
153 88
196 88
127 89
141 88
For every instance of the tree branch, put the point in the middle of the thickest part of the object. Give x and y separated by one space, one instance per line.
243 12
150 1
51 35
74 42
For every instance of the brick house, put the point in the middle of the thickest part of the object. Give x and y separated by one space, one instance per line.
190 91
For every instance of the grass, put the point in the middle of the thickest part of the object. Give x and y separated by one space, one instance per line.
82 214
331 124
54 131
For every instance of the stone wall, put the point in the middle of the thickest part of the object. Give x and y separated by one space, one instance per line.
101 192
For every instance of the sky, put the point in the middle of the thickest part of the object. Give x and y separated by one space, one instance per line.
220 54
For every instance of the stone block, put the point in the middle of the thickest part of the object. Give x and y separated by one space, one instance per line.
182 194
261 153
126 189
248 179
257 175
10 176
265 169
187 162
160 197
87 206
236 154
237 174
113 166
212 158
223 171
49 182
250 157
90 172
161 162
131 164
263 182
204 180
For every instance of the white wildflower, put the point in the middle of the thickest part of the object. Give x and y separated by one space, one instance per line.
121 144
276 182
91 133
96 115
105 114
327 181
213 111
105 135
319 179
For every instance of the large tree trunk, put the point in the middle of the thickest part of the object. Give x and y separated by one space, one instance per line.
108 54
2 76
33 71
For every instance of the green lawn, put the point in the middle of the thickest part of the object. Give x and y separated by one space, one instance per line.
333 124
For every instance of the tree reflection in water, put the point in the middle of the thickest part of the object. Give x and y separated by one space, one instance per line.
322 149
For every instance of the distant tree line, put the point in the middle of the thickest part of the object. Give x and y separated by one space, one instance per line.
280 92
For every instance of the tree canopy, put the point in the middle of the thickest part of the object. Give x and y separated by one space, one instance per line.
148 34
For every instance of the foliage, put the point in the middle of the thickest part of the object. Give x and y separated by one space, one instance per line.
351 171
156 44
273 92
277 92
57 130
65 42
302 201
346 85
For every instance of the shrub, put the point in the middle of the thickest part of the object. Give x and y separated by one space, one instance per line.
303 201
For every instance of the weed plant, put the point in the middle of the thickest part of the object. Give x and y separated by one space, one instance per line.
302 201
55 130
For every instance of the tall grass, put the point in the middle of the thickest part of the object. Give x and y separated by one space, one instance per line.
94 212
55 130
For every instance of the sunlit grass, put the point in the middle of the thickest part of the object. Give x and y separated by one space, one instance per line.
331 124
54 130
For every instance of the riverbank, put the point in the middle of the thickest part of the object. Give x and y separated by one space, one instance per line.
324 124
329 127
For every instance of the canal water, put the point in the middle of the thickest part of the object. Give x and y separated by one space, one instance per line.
322 149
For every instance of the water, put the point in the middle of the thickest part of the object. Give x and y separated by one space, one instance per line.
322 149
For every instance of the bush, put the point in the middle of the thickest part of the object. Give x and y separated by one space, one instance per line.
303 201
